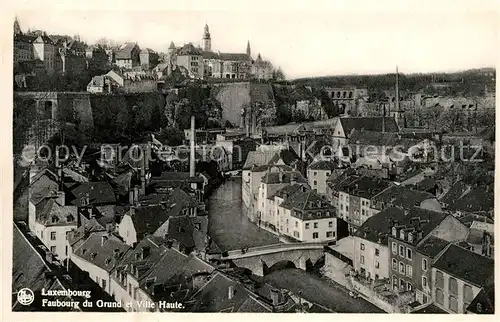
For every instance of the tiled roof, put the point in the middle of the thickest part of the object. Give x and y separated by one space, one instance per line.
235 57
307 204
43 39
97 81
378 227
402 197
24 38
430 309
432 246
102 249
269 167
377 138
146 254
288 156
368 124
365 187
214 296
99 192
288 129
257 158
287 190
252 305
77 236
148 219
125 52
470 218
478 199
466 265
189 49
455 192
50 213
210 55
322 165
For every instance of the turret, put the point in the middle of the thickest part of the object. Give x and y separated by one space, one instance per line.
207 40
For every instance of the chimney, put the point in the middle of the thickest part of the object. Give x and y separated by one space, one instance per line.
231 292
61 199
192 154
103 240
275 297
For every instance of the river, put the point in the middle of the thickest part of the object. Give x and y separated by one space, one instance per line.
228 225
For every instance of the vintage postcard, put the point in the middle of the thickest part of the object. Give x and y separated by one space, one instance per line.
309 160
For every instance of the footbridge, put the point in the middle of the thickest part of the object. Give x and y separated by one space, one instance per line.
262 260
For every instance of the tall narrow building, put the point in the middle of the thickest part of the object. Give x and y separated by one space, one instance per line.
207 41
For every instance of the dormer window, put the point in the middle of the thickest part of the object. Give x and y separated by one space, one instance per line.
410 237
402 234
93 255
394 232
55 219
70 218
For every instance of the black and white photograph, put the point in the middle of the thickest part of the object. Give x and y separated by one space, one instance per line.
321 157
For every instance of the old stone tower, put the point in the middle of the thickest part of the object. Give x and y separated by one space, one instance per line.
207 41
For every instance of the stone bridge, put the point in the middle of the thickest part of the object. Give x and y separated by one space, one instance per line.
263 260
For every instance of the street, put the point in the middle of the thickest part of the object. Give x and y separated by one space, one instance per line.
324 292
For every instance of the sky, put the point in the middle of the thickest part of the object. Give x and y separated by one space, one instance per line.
311 38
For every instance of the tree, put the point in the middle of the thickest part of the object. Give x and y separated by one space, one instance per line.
278 75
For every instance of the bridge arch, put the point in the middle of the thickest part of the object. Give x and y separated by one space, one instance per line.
283 264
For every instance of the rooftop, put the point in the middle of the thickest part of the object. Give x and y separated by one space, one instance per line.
402 196
466 265
368 124
322 165
365 187
432 246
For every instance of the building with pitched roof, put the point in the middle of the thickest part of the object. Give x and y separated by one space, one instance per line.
355 199
305 216
346 125
458 276
148 58
128 56
271 183
415 242
318 173
98 255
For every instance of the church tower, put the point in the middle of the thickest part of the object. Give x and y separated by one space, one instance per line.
249 52
17 28
207 41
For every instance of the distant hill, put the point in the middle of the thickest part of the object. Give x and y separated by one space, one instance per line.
469 82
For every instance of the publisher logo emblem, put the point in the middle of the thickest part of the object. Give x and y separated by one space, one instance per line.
25 296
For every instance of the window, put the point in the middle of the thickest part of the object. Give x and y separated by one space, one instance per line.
402 234
424 281
401 268
439 297
315 225
409 287
329 234
410 237
307 225
439 279
341 207
453 304
55 219
53 249
377 252
362 246
394 248
424 264
363 212
53 235
408 270
377 264
452 286
315 235
401 251
330 224
129 289
296 224
315 183
315 173
362 259
408 253
394 230
468 295
346 208
66 251
394 264
103 284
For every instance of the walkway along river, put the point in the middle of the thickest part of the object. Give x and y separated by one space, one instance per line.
228 225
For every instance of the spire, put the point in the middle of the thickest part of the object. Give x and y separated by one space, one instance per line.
17 28
249 52
258 57
206 32
172 46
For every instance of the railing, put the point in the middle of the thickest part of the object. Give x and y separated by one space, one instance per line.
274 248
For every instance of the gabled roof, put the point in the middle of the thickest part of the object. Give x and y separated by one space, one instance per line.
305 199
140 260
454 193
378 227
77 236
478 199
148 219
484 302
466 265
258 158
365 187
102 249
368 123
50 213
125 52
288 156
99 192
210 55
377 138
44 39
402 196
214 295
323 165
189 49
287 190
288 129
